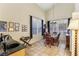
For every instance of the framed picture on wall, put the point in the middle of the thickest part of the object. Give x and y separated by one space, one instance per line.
11 26
17 26
24 28
3 26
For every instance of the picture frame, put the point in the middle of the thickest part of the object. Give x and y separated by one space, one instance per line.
11 27
24 28
17 26
3 26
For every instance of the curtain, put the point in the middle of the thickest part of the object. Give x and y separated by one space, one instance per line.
31 27
42 27
48 26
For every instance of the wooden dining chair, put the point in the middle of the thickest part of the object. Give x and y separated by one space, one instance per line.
52 41
48 41
56 40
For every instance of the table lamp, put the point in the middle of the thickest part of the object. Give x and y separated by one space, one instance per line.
74 25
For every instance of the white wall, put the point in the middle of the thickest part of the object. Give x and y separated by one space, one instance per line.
59 11
76 7
20 13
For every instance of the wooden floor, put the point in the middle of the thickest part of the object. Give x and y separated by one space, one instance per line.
39 49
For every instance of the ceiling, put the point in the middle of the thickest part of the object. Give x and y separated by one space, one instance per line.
45 6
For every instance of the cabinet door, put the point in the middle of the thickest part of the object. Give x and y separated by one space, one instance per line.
19 53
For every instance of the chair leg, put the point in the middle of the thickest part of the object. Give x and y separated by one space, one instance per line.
57 43
49 45
45 43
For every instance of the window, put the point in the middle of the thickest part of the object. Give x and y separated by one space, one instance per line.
36 26
58 26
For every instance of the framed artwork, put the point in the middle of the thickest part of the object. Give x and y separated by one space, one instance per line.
11 27
24 28
17 26
3 26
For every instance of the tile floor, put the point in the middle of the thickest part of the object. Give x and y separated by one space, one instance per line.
39 49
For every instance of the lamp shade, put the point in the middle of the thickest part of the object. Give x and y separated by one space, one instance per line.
74 24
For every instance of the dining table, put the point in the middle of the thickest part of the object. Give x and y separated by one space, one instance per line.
54 38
